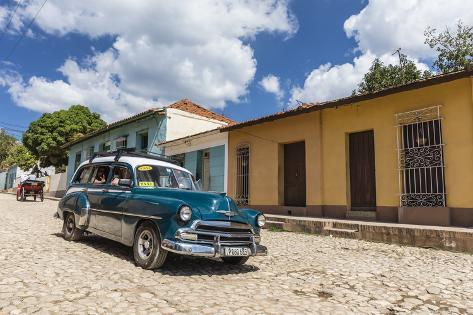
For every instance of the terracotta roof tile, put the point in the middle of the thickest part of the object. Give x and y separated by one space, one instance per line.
191 107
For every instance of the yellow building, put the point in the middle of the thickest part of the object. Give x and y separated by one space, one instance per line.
404 154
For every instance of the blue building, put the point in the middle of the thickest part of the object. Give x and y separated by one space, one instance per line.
205 155
145 131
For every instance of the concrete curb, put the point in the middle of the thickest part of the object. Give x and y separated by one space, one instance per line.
446 238
45 197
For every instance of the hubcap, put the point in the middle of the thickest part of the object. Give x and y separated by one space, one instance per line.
145 244
70 225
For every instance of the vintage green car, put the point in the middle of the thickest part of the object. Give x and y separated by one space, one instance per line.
156 207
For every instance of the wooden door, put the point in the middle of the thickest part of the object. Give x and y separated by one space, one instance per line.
362 171
294 174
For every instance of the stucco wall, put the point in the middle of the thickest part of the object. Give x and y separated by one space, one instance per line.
266 170
182 124
325 133
378 115
3 177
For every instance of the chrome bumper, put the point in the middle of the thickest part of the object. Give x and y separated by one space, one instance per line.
206 250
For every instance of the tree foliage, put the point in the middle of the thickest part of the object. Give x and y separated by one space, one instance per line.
6 143
46 135
455 50
19 155
381 76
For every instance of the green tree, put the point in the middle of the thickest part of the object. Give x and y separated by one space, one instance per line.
19 155
46 135
6 143
455 50
381 76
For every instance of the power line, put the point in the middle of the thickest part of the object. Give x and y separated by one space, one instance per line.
12 125
9 21
12 129
24 32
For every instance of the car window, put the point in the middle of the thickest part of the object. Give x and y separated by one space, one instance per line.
83 175
153 176
100 176
120 172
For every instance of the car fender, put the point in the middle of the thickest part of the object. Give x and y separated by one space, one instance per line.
82 211
76 202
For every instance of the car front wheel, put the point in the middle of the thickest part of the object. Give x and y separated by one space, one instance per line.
147 249
69 229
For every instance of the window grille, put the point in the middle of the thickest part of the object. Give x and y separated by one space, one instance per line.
77 160
121 143
420 158
91 151
242 175
106 146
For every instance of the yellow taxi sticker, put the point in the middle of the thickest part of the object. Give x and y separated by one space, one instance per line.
146 184
145 168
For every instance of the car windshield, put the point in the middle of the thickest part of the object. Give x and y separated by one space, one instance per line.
153 176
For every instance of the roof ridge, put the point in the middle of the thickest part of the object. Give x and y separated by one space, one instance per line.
308 107
181 105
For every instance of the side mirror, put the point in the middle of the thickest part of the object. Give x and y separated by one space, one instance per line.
124 182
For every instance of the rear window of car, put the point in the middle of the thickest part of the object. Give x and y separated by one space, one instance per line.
83 175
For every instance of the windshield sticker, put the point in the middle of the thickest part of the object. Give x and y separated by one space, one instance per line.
146 184
145 168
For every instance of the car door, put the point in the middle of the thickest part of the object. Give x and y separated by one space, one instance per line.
114 200
98 194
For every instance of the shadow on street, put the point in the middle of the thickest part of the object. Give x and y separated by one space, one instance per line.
176 265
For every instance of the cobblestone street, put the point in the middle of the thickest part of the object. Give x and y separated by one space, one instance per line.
41 272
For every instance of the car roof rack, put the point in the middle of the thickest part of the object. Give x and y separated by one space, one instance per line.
131 152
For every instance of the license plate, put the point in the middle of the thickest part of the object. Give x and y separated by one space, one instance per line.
236 251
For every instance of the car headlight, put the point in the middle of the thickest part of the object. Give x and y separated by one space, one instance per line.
185 213
261 220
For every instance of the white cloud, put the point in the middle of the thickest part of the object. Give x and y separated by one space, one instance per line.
163 51
329 82
379 29
384 26
271 84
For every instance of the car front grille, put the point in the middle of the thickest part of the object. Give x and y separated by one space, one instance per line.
223 227
223 232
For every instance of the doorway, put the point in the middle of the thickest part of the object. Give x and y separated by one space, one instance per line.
362 171
294 174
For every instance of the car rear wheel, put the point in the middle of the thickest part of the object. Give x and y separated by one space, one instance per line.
69 229
235 260
147 250
22 194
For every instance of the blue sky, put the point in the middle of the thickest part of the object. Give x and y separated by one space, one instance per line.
316 50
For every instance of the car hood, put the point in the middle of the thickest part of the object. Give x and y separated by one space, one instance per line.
210 205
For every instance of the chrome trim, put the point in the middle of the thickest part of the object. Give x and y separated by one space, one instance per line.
106 211
142 216
223 224
205 250
213 247
228 213
128 214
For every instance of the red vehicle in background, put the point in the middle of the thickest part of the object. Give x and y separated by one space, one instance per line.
30 187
